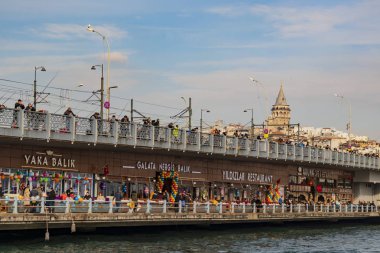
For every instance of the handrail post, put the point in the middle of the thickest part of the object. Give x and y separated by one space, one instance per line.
283 208
340 208
254 208
134 133
110 207
164 207
313 207
307 208
48 126
232 207
243 207
321 208
366 209
208 207
20 122
224 144
152 137
199 140
362 208
42 205
147 206
184 139
264 208
299 208
72 128
67 210
195 206
334 208
15 204
274 208
89 206
94 130
221 207
291 208
115 132
236 148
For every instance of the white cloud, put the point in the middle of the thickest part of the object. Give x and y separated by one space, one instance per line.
339 24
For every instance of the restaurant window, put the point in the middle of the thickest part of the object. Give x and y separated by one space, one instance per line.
348 184
301 180
330 183
292 179
341 183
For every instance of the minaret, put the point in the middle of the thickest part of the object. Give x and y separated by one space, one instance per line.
280 111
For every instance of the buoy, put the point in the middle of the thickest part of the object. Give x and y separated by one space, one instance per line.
47 236
73 229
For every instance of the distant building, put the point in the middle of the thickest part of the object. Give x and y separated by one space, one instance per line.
278 122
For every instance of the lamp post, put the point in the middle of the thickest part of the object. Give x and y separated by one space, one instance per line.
349 117
42 68
112 87
201 122
101 89
252 130
90 29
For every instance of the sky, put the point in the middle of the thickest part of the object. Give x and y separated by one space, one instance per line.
161 51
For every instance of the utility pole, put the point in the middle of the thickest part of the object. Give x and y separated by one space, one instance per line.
132 110
190 113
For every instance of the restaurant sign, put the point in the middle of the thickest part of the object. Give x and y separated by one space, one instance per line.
49 159
163 166
247 176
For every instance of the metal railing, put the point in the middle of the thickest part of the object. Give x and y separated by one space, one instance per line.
39 126
41 205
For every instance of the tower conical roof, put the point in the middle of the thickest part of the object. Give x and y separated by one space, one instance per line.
281 100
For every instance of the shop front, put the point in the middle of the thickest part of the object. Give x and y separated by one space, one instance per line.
320 186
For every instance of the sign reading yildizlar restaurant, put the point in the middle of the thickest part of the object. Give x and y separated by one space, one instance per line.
49 159
247 176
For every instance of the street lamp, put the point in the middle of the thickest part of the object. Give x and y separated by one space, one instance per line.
349 117
90 29
101 89
112 87
42 68
201 125
252 129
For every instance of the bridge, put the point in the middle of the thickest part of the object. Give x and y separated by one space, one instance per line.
62 128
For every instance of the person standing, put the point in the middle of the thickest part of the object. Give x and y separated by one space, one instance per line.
117 199
30 112
68 113
50 200
19 105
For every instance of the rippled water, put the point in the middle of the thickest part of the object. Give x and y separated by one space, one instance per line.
334 238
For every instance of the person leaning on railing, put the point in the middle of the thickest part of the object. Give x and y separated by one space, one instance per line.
30 112
68 113
19 105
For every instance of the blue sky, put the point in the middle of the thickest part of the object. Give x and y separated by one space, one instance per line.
164 50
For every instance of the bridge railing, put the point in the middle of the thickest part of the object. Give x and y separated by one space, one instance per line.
41 125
